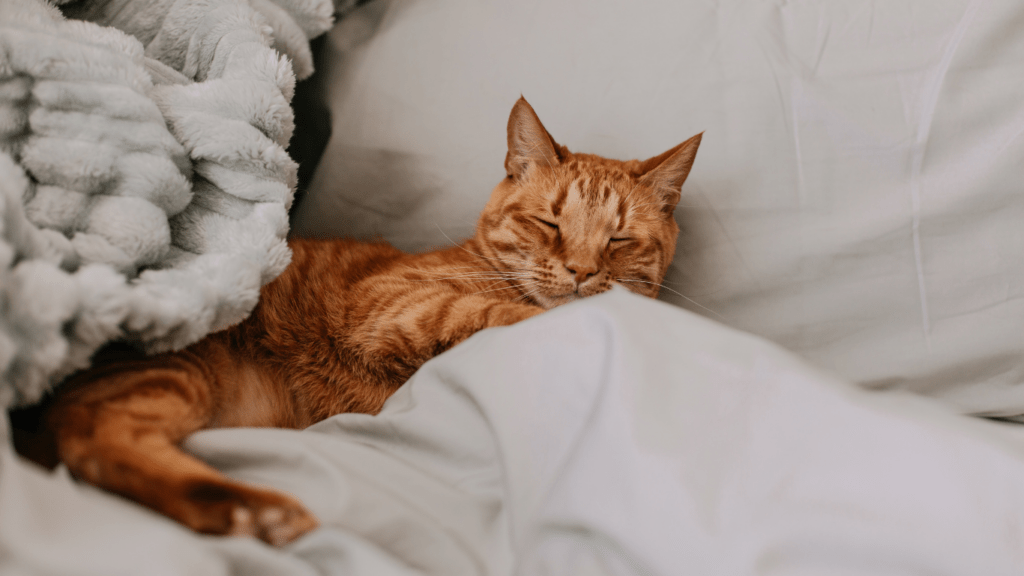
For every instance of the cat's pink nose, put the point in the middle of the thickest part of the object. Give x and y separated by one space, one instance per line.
581 272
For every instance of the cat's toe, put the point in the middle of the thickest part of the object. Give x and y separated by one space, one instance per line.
279 525
233 509
242 522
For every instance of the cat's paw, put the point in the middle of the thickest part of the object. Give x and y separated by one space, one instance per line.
274 524
236 510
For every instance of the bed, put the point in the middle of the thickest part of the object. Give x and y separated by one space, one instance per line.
829 384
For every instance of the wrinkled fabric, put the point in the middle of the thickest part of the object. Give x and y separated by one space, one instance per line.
616 435
857 197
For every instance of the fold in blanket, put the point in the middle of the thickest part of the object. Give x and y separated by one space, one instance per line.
144 183
613 435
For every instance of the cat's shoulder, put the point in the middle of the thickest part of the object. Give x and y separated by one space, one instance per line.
339 257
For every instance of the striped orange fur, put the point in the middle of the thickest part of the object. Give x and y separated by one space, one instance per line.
348 322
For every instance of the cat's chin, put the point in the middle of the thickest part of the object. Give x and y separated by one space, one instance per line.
549 301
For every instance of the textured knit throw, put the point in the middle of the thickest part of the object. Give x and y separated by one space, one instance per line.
144 182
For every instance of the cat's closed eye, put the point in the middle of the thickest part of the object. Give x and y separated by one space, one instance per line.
551 225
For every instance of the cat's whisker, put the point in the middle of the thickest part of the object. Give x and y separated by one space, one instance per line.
464 249
488 278
524 294
508 281
659 205
470 277
476 277
473 267
512 287
479 267
666 282
528 295
474 271
470 280
527 282
495 290
660 285
521 297
499 282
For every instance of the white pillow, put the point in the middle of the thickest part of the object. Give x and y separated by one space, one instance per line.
858 193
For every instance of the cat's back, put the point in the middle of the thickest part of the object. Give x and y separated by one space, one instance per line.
349 268
337 261
314 292
334 297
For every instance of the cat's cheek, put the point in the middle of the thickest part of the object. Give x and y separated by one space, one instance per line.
641 289
595 286
546 302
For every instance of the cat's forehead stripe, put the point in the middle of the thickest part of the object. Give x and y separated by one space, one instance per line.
593 186
588 189
556 206
574 191
579 187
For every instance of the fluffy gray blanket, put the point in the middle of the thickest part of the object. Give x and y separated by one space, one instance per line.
144 183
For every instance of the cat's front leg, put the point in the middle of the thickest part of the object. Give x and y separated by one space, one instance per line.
507 314
398 335
472 313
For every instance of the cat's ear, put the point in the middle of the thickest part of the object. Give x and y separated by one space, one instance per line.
666 172
529 143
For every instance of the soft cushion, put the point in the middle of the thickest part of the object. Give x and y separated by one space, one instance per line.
857 196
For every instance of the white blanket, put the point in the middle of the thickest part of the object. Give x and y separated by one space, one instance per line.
617 435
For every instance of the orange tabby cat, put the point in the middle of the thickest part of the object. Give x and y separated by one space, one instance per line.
348 322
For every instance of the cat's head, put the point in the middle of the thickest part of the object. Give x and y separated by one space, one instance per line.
564 226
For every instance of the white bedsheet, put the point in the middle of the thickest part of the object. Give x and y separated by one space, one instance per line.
617 435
